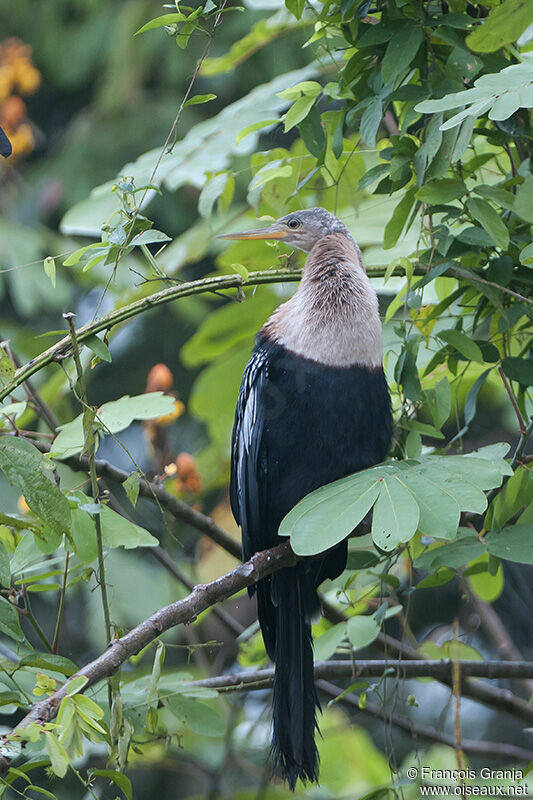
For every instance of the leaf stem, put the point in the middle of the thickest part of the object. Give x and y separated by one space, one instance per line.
28 613
92 474
61 605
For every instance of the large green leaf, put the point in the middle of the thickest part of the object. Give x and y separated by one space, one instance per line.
9 621
401 50
23 466
197 716
514 543
326 516
396 514
362 631
117 531
504 25
115 416
427 493
454 555
490 220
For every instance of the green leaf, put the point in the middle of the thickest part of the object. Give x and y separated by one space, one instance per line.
526 255
296 7
325 645
198 716
313 134
149 237
513 543
199 99
58 755
396 224
302 89
523 205
160 22
326 516
502 197
454 555
9 621
490 221
463 344
373 174
519 369
486 586
298 111
131 487
439 402
362 631
159 658
119 414
114 417
401 50
212 190
7 369
49 661
5 571
471 403
396 514
98 347
76 685
23 466
504 25
370 121
441 191
49 265
511 499
118 778
438 507
256 126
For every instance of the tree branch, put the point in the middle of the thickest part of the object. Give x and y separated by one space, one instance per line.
417 729
423 668
183 611
63 348
156 492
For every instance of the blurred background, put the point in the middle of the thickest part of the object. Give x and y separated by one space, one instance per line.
80 97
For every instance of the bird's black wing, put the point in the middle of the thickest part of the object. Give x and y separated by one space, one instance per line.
248 459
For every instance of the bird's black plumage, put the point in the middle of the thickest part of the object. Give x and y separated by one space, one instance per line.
300 424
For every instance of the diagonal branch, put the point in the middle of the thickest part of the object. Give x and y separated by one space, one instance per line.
183 611
481 691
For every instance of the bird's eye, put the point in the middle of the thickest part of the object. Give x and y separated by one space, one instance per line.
293 223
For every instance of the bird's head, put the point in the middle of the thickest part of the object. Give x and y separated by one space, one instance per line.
302 229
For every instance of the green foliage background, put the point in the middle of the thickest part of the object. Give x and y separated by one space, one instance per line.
411 121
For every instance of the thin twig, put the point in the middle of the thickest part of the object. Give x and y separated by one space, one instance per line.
61 605
93 476
512 398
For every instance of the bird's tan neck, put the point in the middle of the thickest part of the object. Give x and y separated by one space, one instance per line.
333 318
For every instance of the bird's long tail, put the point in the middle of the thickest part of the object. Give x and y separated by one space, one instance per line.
295 700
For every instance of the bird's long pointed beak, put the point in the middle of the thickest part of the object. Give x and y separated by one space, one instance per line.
274 231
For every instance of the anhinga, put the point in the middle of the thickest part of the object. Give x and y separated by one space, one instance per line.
313 407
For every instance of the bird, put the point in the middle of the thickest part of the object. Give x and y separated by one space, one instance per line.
5 145
313 407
